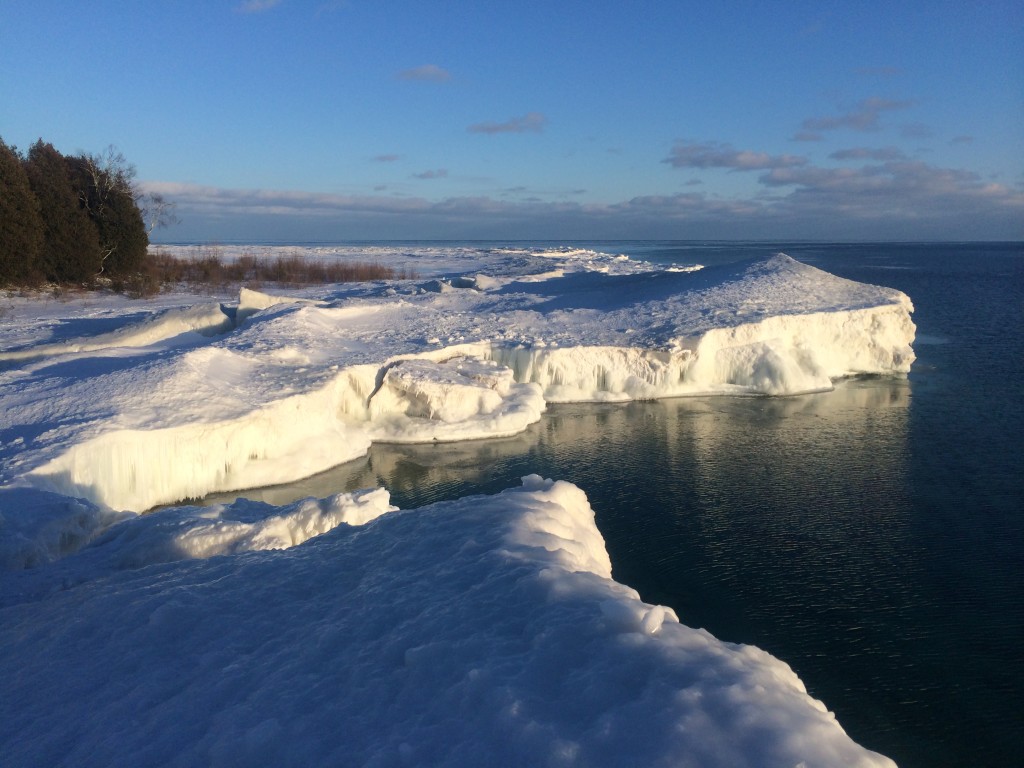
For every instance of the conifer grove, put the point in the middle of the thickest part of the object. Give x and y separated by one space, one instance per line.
68 219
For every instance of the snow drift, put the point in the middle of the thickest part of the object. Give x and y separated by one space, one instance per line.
477 632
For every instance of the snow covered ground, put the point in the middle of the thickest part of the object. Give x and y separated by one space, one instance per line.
341 631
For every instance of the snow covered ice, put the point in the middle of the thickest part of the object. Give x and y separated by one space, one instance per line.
342 631
167 408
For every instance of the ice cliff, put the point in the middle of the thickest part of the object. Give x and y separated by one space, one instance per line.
275 388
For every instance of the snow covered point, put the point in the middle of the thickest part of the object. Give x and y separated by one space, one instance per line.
342 631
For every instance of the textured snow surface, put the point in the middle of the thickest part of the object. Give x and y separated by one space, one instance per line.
341 631
195 400
485 631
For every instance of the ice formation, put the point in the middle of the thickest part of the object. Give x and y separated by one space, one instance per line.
342 631
478 632
276 388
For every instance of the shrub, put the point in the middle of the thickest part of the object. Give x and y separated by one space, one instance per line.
206 269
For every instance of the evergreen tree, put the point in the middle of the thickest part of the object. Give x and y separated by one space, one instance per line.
21 227
123 236
106 192
71 248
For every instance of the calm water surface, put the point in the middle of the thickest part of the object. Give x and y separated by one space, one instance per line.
872 537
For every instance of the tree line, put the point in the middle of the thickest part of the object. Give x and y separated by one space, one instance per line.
72 219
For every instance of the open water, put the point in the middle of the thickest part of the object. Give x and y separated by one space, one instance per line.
872 537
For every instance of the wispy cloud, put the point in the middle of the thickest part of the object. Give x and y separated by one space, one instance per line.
897 198
687 154
532 122
915 131
863 117
428 73
386 158
899 188
439 173
331 5
866 153
884 72
963 139
256 6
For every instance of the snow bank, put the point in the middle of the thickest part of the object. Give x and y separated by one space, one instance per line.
38 528
137 468
204 319
41 527
292 385
484 631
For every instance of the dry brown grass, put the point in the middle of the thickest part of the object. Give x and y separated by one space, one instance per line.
206 270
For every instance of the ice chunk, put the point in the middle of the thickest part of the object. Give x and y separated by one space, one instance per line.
461 398
201 532
250 302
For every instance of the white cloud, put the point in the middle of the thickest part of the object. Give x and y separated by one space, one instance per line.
439 173
715 155
532 122
430 73
926 200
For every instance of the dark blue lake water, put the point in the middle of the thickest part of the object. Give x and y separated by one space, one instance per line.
872 537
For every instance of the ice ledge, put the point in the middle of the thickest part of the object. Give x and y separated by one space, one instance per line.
486 630
299 386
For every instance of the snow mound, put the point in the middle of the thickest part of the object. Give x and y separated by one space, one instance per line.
204 319
484 631
38 528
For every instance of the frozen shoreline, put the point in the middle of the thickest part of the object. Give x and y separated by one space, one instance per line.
203 398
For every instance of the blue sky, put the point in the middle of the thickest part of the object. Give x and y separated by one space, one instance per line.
370 119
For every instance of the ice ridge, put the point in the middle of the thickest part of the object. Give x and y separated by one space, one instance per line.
293 386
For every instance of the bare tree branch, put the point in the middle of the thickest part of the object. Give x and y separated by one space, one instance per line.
157 211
